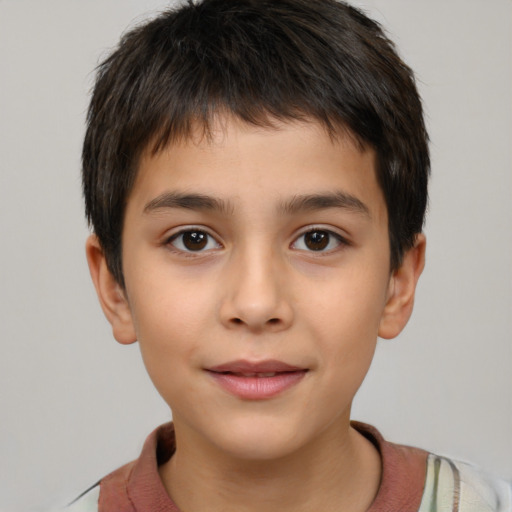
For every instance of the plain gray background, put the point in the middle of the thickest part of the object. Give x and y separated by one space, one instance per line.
74 405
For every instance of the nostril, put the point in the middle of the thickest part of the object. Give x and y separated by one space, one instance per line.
271 321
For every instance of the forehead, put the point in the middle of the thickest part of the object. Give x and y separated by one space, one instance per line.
273 162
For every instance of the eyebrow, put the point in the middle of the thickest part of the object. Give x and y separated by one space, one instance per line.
188 201
313 202
297 204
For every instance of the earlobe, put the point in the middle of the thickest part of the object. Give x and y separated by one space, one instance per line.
111 295
401 290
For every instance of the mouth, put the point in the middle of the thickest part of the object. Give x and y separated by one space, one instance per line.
262 375
256 381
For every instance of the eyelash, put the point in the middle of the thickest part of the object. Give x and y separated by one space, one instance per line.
187 251
331 236
203 235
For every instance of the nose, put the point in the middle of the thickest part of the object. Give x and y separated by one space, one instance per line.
256 293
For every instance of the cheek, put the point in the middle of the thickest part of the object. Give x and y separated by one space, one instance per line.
169 348
346 320
168 304
351 306
170 321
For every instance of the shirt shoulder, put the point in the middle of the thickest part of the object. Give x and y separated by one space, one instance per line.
461 487
87 502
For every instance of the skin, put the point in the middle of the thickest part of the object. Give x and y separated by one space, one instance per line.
258 291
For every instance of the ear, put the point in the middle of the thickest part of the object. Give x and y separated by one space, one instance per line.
401 290
111 295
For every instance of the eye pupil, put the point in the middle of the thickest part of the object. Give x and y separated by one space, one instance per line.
195 240
316 240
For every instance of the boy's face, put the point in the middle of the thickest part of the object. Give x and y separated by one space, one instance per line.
257 280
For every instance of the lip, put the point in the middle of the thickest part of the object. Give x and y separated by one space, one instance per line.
256 380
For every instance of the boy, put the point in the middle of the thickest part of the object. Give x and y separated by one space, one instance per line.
256 176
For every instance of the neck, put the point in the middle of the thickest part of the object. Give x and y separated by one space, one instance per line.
340 471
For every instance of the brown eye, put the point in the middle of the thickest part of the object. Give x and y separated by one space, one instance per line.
193 240
316 240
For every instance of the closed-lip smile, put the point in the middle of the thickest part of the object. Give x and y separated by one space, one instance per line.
260 380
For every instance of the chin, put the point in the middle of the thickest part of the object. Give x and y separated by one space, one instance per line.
259 449
260 439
